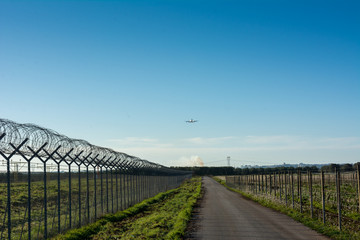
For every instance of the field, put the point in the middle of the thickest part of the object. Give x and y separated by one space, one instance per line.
332 200
72 200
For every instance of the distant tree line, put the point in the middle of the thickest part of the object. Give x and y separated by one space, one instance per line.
343 167
217 171
204 171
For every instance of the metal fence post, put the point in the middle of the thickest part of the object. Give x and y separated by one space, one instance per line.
70 196
112 190
59 196
95 193
29 185
8 172
136 182
95 164
107 189
101 190
132 185
29 200
121 188
45 202
117 187
87 194
8 197
79 193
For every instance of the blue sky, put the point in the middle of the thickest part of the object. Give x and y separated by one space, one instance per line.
269 81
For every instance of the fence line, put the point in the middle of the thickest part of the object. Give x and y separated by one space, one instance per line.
333 198
50 183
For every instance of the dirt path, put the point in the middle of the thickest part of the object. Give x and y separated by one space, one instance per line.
226 215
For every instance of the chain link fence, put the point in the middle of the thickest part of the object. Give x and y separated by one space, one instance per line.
50 183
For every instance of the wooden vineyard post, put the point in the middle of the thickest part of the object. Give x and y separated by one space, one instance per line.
286 202
266 184
240 180
292 189
311 195
338 198
255 184
259 184
280 185
275 184
270 185
247 183
353 182
243 182
251 189
358 183
323 195
250 184
299 189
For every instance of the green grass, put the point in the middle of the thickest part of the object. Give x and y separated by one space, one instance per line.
164 216
328 230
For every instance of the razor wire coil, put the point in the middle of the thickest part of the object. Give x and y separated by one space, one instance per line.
13 134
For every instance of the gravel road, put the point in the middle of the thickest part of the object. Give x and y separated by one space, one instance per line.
227 215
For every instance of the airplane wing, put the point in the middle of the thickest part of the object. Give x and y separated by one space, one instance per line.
191 121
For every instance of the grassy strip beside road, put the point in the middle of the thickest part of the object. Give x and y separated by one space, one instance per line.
164 216
328 230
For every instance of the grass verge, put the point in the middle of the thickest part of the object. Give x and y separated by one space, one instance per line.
164 216
315 224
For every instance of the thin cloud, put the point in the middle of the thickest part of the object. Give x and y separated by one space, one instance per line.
208 141
277 148
136 142
248 143
271 139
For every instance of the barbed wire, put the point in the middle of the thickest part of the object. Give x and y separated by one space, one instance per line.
46 141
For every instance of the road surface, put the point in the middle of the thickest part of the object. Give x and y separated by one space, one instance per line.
227 215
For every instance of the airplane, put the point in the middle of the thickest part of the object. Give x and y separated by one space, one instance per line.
191 121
